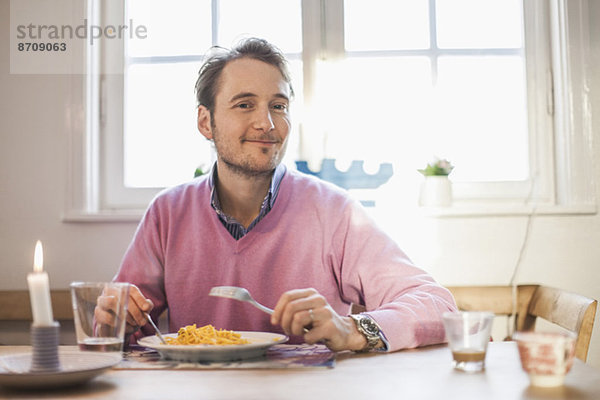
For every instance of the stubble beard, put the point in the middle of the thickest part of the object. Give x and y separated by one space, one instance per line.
238 165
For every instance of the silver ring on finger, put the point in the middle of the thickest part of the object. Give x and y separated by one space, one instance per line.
312 315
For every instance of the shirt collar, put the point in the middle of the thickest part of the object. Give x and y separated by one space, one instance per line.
269 198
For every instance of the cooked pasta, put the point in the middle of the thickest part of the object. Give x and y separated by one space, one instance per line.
207 334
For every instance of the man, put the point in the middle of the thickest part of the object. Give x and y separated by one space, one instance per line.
295 242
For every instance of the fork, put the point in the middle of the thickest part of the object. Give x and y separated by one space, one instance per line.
241 294
237 293
160 336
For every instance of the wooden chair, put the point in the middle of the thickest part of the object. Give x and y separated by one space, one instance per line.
568 310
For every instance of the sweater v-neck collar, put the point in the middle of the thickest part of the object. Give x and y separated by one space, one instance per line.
261 226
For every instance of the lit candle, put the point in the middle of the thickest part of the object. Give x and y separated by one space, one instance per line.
39 290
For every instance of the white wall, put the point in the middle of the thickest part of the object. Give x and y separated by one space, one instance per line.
36 113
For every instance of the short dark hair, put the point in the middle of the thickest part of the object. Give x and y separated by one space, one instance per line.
218 57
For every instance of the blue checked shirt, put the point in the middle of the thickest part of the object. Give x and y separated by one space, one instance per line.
236 229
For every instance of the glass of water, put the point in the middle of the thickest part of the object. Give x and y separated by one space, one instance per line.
100 313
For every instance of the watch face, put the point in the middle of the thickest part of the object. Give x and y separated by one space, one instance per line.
369 326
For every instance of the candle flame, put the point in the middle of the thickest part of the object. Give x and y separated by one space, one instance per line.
38 258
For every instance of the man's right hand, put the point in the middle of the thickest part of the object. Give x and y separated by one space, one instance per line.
137 307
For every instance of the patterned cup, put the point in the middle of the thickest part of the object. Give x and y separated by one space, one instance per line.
546 357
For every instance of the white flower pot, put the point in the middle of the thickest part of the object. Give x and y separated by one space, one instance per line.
436 191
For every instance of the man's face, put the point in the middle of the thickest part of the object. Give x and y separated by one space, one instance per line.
250 122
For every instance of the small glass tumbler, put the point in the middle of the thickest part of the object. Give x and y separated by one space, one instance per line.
100 311
468 334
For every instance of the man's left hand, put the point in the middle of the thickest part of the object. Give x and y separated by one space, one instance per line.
306 308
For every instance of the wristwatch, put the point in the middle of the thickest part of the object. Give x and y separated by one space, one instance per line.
368 328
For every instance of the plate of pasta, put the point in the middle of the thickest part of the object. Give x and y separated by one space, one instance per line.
207 343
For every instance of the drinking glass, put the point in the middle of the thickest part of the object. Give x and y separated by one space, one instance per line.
468 335
100 313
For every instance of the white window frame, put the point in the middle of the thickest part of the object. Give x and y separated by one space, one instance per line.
561 151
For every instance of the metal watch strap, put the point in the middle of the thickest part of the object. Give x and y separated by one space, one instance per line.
368 328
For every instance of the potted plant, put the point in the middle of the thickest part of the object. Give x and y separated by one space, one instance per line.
201 170
436 189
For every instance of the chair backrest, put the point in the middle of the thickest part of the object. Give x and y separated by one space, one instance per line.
568 310
15 305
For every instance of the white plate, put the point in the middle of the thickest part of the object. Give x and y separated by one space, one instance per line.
259 343
76 367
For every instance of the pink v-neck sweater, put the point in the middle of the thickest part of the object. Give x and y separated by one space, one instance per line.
315 236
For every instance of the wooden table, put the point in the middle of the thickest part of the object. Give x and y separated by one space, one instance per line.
413 374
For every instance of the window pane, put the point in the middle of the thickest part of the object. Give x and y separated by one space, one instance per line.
279 22
476 115
479 23
481 117
162 144
386 24
179 27
373 108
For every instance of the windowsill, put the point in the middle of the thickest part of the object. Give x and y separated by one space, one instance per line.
506 210
454 211
128 215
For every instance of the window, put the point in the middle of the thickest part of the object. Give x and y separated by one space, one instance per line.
434 78
160 74
150 128
481 83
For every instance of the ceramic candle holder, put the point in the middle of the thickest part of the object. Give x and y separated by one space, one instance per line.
44 342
